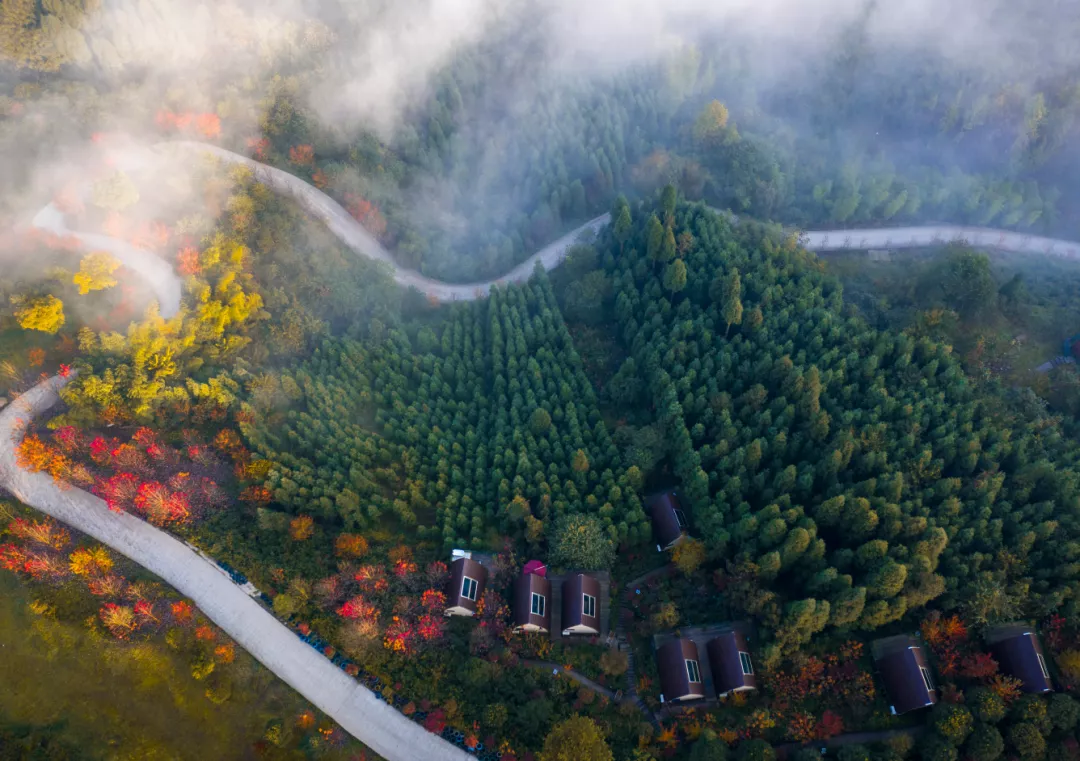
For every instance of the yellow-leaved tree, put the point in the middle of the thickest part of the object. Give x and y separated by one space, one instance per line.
578 738
96 272
44 313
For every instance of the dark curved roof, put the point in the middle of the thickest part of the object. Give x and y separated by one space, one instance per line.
665 520
574 590
459 569
1019 654
524 586
726 664
675 682
900 662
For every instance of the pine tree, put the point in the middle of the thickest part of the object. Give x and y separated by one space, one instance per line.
655 238
732 304
675 276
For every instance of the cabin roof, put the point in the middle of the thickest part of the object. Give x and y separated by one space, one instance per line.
671 660
525 586
574 589
1019 654
459 569
665 511
900 662
727 664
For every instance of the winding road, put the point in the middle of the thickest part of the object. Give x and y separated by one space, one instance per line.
354 707
168 286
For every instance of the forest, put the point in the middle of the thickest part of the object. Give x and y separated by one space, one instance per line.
862 445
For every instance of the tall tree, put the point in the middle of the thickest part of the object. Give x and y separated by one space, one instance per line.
654 233
675 276
732 308
576 739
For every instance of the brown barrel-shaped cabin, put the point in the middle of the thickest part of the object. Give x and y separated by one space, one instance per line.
680 671
902 666
729 659
580 605
532 603
1019 654
467 581
668 519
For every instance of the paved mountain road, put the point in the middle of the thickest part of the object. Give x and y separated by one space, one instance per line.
168 286
379 726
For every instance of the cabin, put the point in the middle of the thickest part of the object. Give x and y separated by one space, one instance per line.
680 671
1019 654
532 603
467 581
729 659
581 596
902 667
668 519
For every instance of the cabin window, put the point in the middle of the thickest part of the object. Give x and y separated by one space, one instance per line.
1042 665
537 604
693 672
747 667
680 516
926 678
468 588
588 606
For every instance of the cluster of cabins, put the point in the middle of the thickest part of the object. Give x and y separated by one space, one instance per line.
582 598
900 663
716 662
583 595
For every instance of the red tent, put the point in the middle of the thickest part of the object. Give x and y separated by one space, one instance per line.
535 567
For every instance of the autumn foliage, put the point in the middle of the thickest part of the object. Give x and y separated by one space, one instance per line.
366 213
350 546
302 528
143 475
187 261
259 147
304 155
205 125
90 562
118 619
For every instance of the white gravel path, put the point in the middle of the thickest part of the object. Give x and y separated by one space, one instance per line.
379 726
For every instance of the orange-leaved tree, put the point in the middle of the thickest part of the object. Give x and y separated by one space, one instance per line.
304 155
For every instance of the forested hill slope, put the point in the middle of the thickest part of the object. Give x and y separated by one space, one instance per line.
849 475
485 426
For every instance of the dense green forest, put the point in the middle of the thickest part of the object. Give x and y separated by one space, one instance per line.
486 427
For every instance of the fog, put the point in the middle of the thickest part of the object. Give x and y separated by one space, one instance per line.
372 67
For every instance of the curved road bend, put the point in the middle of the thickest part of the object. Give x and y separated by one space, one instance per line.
376 724
168 286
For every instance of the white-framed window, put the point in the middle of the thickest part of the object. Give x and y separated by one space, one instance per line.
468 588
538 602
1042 665
693 671
588 606
747 666
680 516
926 678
